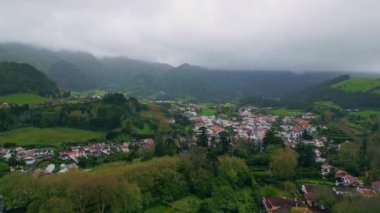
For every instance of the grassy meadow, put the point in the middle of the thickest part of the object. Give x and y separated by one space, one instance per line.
328 104
207 111
282 112
23 98
47 136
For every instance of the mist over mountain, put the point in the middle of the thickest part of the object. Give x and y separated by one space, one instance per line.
82 71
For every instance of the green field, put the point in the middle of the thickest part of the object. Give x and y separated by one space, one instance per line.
328 104
315 182
47 136
282 112
146 130
23 98
357 85
207 111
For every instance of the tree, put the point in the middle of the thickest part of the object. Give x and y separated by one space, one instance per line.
324 197
198 170
166 147
306 135
375 162
284 163
225 142
235 171
115 98
270 138
306 154
349 157
202 138
223 198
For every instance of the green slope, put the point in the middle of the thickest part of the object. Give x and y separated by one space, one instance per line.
357 85
23 98
23 78
47 136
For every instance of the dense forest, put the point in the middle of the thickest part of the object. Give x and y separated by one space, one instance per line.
23 78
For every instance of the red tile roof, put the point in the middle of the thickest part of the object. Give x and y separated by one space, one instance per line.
366 192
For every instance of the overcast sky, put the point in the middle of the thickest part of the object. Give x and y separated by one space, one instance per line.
251 34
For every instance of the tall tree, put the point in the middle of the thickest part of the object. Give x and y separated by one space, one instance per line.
306 154
284 163
270 138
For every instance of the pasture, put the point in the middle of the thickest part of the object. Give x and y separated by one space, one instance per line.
47 136
358 85
207 111
23 98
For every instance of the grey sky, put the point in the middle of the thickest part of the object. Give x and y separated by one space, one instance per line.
241 34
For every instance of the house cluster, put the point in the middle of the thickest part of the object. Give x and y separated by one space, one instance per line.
249 126
310 203
29 156
276 204
318 198
348 185
5 105
52 168
97 149
294 126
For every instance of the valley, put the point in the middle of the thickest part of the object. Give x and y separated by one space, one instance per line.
163 154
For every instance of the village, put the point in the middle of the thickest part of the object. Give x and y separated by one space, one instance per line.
250 125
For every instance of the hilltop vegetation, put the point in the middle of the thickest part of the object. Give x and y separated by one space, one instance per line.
23 78
135 187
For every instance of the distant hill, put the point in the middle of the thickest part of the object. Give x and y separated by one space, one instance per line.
82 71
69 67
23 78
358 85
344 91
68 76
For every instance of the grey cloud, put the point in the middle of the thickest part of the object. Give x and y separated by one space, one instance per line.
230 34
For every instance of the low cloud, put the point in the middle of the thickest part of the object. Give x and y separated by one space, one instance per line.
239 34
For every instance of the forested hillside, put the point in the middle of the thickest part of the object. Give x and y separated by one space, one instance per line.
23 78
83 71
344 91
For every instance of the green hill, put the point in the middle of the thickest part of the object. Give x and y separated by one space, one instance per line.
358 85
346 92
23 78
